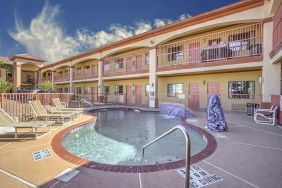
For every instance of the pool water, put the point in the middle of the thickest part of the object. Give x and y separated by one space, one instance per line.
119 135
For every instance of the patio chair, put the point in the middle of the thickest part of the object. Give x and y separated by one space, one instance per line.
64 106
41 114
54 110
266 116
10 125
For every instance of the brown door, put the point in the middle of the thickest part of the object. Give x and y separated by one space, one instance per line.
193 98
128 94
194 52
94 94
129 63
138 94
138 62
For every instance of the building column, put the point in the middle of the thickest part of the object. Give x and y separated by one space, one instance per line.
18 75
71 90
152 77
53 76
271 73
100 81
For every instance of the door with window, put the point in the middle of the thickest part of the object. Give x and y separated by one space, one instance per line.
138 94
193 99
194 52
128 94
213 88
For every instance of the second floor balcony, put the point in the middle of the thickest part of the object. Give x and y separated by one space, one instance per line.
62 77
89 73
222 45
125 65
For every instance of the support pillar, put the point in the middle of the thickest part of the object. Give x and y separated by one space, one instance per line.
71 90
152 77
18 75
100 82
271 73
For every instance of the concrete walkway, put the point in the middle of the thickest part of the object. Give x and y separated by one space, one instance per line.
249 155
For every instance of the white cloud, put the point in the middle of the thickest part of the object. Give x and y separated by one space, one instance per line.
45 37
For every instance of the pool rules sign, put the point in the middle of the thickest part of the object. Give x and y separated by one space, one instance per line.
199 177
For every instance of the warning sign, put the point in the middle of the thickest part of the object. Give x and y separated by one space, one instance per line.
199 177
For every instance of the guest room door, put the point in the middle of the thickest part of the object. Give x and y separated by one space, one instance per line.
193 99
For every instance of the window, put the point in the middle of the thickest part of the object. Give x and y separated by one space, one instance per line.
60 90
106 66
87 90
66 90
147 58
175 53
49 74
174 89
119 90
44 74
107 90
119 63
78 90
241 89
240 41
147 90
87 68
78 68
214 41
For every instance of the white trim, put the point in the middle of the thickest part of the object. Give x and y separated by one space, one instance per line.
231 174
18 178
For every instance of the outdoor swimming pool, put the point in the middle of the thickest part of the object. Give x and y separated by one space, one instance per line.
119 135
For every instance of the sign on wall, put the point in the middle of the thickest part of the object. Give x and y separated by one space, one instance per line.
199 177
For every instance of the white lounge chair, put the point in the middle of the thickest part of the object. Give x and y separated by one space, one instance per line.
41 114
11 125
266 116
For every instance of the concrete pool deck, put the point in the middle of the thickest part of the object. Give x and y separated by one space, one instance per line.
249 155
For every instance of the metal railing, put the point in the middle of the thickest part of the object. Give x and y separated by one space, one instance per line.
130 63
230 43
188 149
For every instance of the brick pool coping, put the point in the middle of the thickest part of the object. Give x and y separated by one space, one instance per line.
64 154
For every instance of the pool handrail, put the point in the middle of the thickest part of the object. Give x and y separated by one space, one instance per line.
188 149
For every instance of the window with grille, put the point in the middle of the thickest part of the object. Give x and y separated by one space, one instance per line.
241 89
175 53
174 90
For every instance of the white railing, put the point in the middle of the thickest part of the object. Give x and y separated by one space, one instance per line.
236 42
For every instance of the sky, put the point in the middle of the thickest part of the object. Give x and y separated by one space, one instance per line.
56 29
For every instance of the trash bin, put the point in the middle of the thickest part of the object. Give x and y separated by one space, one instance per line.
251 108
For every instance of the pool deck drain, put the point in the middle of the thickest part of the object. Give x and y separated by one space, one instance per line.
255 162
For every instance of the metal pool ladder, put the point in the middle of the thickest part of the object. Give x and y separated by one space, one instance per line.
188 149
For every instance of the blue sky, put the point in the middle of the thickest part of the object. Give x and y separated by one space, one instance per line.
56 29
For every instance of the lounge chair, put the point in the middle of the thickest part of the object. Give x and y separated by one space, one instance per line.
10 125
266 116
41 114
64 106
54 110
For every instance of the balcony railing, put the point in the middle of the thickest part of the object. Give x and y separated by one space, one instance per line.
244 41
85 74
277 29
47 78
62 77
126 65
